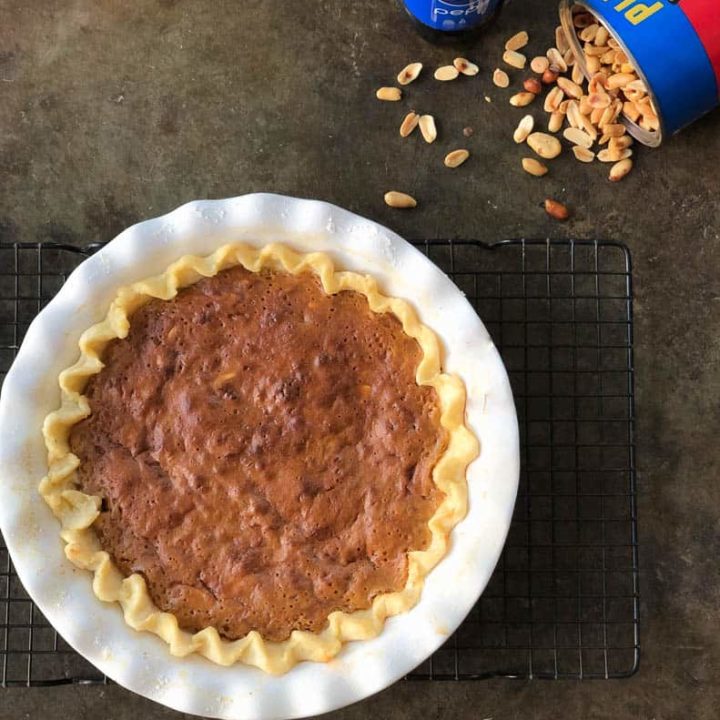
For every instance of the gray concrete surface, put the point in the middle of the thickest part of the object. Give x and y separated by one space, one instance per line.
112 112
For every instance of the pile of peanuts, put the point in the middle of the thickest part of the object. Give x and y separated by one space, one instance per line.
589 110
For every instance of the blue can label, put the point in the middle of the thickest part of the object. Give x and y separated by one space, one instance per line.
452 15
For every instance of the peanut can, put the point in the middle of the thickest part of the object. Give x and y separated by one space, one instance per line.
674 46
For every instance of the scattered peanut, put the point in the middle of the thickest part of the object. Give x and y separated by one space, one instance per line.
524 128
397 199
446 72
608 155
532 85
614 130
588 127
598 114
557 60
427 128
620 169
390 94
549 76
553 100
500 78
598 100
546 146
584 106
466 67
514 59
409 73
556 210
577 75
517 41
573 114
620 143
409 124
534 167
571 89
561 42
522 99
539 64
555 122
583 154
456 158
578 137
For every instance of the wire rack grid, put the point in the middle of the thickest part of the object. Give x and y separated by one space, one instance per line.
564 600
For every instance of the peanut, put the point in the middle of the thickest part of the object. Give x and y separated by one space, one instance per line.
409 124
583 154
532 85
546 146
517 41
620 169
396 199
500 78
578 137
524 128
427 128
549 76
556 210
534 167
409 73
514 59
539 64
389 94
466 67
570 88
446 72
456 158
522 99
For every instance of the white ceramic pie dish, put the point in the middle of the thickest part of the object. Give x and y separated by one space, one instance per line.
141 662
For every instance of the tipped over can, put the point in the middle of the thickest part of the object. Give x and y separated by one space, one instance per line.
674 46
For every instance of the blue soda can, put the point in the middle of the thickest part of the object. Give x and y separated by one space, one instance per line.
674 46
451 18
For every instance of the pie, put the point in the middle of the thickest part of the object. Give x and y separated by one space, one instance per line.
258 456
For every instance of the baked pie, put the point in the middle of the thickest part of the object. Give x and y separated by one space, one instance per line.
258 456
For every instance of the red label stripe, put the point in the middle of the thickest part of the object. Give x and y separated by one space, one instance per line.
704 16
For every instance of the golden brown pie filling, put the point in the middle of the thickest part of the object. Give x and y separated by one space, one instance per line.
263 452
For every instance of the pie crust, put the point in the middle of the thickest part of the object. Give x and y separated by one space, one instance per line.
77 511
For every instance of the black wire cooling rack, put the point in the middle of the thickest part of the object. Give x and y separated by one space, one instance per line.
563 601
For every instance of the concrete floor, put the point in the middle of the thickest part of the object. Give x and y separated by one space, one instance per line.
112 112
